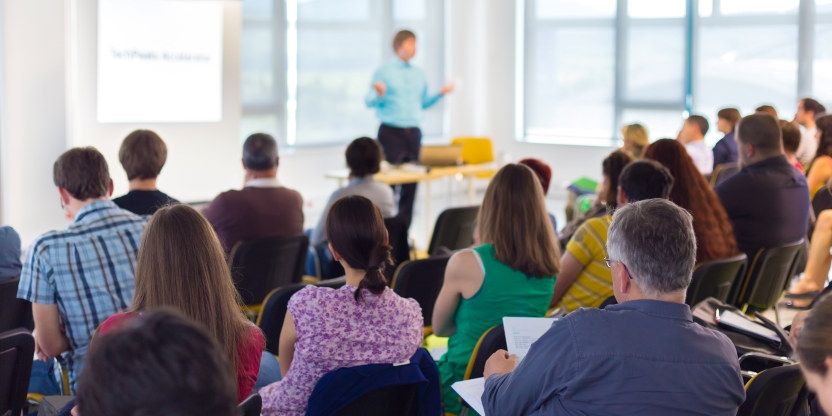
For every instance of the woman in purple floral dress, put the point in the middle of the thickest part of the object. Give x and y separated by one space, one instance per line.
363 322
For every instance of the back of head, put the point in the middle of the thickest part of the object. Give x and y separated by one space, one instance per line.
814 345
514 219
355 230
645 179
363 157
762 132
813 106
655 241
731 115
260 152
824 124
791 136
672 155
700 122
541 169
400 37
158 364
83 172
611 168
767 109
142 154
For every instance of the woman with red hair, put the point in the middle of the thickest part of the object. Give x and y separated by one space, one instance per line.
714 233
544 173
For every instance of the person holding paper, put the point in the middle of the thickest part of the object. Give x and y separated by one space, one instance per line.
644 356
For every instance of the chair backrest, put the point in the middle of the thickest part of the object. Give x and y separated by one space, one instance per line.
454 229
715 279
723 171
475 150
251 406
767 276
491 340
259 266
421 280
17 347
390 400
773 392
273 313
822 200
397 236
14 312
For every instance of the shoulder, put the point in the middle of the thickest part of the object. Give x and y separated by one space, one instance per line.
465 265
253 340
309 296
8 235
45 241
115 321
290 193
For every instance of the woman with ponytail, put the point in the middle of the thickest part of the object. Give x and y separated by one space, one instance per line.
363 322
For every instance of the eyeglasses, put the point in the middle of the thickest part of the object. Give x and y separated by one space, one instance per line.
609 262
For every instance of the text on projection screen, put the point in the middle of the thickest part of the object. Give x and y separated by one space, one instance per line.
159 61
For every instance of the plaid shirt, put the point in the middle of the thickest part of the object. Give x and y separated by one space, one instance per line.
87 270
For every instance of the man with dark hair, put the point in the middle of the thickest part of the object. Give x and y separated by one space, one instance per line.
157 364
399 94
692 136
364 159
263 208
808 110
767 201
791 141
725 150
767 109
142 155
76 278
584 280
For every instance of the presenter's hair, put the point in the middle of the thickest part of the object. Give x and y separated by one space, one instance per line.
402 36
260 152
364 157
142 154
83 172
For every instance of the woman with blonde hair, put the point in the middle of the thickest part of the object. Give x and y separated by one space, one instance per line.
511 272
181 265
635 139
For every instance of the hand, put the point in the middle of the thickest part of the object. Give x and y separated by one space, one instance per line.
75 411
38 351
447 89
500 362
380 88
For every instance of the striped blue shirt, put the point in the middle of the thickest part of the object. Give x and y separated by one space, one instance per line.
87 270
406 96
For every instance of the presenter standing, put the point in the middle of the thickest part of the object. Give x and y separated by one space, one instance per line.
399 93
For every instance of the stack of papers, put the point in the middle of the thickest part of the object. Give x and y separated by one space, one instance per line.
521 333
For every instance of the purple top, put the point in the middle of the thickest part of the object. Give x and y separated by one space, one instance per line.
335 331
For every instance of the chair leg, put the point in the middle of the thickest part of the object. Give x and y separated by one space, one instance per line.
777 315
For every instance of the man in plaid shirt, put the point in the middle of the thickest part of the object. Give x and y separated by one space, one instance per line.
76 278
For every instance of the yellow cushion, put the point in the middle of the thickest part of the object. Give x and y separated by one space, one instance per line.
475 150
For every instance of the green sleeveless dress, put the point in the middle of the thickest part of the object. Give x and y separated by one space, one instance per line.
504 292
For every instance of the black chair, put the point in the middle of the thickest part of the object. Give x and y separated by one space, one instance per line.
715 279
773 392
397 236
722 172
390 400
822 200
17 347
261 266
14 312
766 277
273 313
454 229
251 406
421 280
491 340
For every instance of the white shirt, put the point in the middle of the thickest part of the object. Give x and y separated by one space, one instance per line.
808 145
380 194
702 157
262 183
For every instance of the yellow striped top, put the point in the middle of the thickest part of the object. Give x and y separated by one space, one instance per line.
594 283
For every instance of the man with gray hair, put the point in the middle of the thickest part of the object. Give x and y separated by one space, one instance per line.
644 356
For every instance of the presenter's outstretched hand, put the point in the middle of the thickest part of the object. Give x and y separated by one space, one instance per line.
380 88
447 89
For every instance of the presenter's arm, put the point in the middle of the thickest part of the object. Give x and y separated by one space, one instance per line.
378 89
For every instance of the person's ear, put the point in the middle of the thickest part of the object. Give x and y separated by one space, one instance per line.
621 197
110 188
622 276
276 162
65 196
335 255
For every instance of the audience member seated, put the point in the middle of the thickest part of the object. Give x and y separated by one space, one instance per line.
544 174
791 141
714 235
808 110
818 262
584 280
814 351
159 364
511 272
142 155
767 109
606 202
820 171
364 157
644 356
263 208
181 265
9 253
725 150
692 136
767 201
76 278
635 139
363 322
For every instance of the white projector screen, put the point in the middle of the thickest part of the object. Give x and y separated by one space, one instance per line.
159 61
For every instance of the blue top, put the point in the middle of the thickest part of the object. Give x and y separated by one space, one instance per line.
640 357
725 150
9 253
378 193
87 270
406 96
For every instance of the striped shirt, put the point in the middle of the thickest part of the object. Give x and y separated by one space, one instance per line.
594 283
87 270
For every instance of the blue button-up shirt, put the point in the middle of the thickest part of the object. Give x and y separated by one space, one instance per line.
406 96
638 358
87 270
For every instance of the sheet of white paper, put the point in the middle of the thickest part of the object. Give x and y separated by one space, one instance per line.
471 391
522 332
735 320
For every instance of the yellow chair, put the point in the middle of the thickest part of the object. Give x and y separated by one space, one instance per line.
476 151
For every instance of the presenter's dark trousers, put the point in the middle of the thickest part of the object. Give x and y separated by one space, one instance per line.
402 145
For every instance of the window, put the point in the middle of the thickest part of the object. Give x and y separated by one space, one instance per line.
307 64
